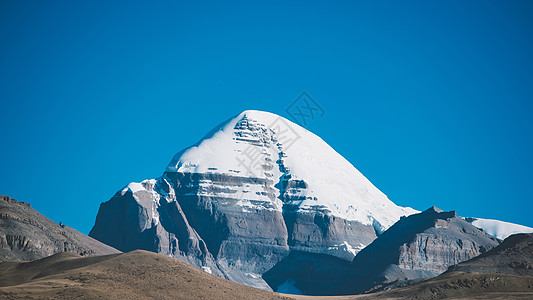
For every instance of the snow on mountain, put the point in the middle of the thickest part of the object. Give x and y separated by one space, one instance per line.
334 185
499 229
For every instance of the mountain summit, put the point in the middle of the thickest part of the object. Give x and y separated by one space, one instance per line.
306 172
237 202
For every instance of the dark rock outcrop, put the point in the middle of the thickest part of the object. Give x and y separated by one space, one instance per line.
25 234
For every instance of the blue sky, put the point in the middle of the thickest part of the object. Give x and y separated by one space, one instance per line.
431 100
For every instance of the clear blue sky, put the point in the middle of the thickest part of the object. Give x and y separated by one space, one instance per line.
431 100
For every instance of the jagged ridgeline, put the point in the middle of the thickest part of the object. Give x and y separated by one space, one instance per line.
241 199
25 234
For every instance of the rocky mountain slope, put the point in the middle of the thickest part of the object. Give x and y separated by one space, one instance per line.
513 256
505 272
135 275
25 234
240 200
422 245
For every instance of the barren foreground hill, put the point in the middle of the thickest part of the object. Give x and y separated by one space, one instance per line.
133 275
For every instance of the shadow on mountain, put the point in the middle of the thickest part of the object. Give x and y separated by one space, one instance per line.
306 273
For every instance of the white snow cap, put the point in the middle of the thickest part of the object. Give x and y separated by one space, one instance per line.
500 229
256 144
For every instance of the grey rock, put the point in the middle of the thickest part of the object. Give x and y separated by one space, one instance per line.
209 232
317 232
423 245
151 219
171 216
25 234
505 272
513 256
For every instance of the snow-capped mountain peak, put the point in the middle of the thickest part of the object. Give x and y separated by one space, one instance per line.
307 173
254 189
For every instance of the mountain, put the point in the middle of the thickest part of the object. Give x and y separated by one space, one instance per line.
422 245
499 229
505 272
135 275
241 199
25 234
513 256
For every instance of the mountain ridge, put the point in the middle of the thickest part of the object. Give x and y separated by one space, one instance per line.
25 234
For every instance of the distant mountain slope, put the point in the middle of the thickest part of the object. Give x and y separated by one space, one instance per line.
505 272
419 246
513 256
134 275
459 285
25 234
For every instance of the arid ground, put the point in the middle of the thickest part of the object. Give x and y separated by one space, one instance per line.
146 275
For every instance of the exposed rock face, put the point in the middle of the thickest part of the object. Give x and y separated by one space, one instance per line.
513 256
419 246
148 217
237 202
323 233
505 272
235 235
25 234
